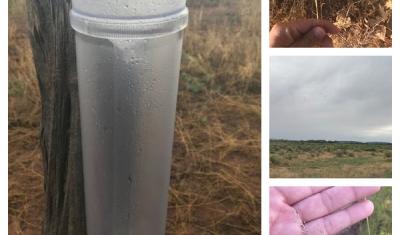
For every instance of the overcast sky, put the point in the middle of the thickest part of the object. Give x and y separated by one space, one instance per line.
331 98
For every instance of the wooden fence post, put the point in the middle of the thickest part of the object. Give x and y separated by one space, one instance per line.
53 46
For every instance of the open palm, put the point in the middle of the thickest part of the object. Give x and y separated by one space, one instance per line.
317 210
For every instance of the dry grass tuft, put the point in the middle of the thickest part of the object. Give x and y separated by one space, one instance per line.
25 185
362 23
216 171
215 182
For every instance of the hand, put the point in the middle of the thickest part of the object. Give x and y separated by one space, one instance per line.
317 210
302 33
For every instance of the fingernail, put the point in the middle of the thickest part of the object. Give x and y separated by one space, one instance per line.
319 33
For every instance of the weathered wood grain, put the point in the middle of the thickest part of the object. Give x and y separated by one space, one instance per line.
53 46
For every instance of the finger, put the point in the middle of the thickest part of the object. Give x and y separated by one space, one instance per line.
285 34
326 42
312 38
304 25
331 200
280 36
296 194
336 222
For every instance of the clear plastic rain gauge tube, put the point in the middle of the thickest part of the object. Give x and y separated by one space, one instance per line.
128 61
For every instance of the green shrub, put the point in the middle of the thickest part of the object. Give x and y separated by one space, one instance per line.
388 155
340 153
275 160
291 156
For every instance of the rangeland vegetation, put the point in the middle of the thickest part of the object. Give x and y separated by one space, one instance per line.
330 159
380 221
215 181
362 23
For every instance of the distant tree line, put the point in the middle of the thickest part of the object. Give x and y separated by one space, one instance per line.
330 141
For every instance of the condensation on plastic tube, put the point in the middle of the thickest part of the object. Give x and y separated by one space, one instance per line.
129 28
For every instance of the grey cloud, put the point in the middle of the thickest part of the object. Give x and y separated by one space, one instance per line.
336 98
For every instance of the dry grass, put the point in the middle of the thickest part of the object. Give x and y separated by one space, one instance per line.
25 186
362 23
215 182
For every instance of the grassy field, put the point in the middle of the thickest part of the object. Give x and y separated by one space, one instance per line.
380 223
313 159
362 23
215 181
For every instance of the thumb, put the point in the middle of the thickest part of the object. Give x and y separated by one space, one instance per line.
311 38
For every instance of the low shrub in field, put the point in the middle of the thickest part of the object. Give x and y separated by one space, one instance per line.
275 160
278 160
340 153
274 148
291 156
388 155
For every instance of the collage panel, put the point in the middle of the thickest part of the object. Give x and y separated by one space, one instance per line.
330 210
133 117
330 117
328 23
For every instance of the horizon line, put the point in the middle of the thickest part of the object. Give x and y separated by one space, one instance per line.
331 140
